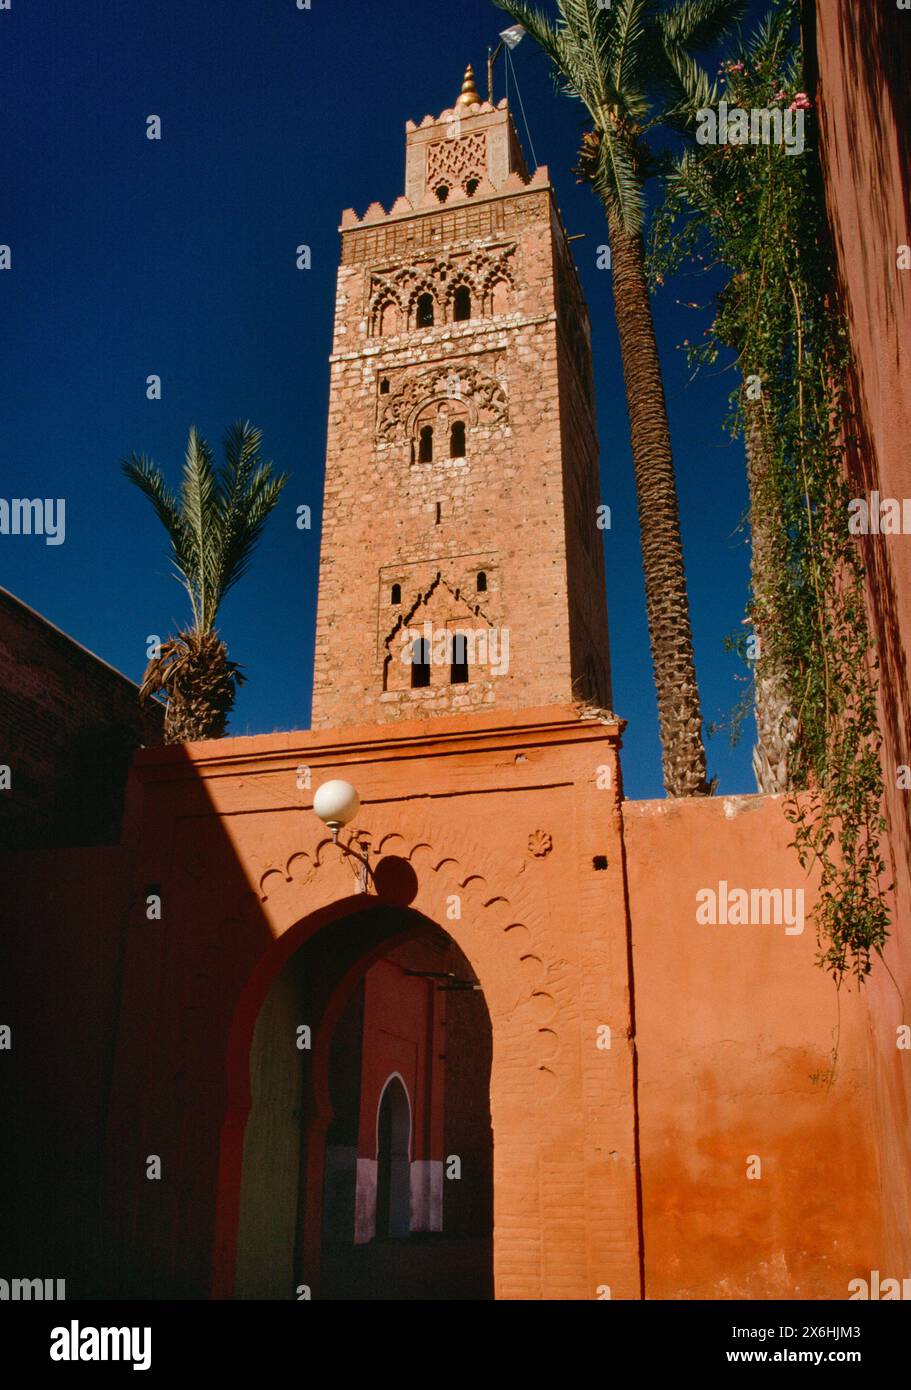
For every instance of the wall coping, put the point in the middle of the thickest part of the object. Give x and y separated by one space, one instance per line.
446 734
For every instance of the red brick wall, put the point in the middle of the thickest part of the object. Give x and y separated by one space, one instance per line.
68 727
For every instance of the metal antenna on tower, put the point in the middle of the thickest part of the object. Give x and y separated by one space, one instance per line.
509 38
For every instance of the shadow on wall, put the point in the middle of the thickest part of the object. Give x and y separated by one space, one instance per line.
872 55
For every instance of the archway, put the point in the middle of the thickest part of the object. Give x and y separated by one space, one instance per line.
367 1151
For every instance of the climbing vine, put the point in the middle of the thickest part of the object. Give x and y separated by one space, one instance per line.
756 210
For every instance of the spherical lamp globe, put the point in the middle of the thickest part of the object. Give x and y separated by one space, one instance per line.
336 803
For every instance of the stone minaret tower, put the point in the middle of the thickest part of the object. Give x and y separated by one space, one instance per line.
461 565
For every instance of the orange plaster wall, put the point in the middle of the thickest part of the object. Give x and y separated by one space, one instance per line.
864 59
731 1023
502 812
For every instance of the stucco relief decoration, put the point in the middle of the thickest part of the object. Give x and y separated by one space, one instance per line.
540 843
483 393
505 936
478 270
456 163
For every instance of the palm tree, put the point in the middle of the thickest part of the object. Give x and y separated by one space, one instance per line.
709 199
213 528
630 64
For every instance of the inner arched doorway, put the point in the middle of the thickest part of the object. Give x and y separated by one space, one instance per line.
393 1161
367 1149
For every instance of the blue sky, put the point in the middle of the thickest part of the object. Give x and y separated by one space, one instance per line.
177 257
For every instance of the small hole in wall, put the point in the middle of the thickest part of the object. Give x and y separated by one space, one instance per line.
439 513
599 861
384 386
396 593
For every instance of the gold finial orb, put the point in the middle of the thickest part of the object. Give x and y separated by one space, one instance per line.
469 93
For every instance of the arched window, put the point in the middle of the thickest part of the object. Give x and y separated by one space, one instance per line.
389 319
458 671
384 386
461 304
420 663
482 582
499 297
457 440
425 311
471 186
396 593
425 448
442 192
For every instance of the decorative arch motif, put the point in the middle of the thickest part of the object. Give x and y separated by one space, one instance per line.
387 299
503 934
457 163
456 596
481 393
423 286
477 269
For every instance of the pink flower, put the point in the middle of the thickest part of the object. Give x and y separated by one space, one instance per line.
780 96
801 102
737 67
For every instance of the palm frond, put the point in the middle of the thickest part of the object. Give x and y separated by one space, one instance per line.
698 24
626 65
199 511
619 186
146 475
688 89
245 516
218 517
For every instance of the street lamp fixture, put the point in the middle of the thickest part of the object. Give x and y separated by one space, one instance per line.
336 803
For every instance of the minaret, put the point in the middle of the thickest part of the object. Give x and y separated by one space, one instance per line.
461 567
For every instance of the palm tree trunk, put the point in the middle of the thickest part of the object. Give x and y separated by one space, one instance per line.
667 605
776 727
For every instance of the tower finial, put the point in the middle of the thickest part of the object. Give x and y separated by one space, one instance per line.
469 93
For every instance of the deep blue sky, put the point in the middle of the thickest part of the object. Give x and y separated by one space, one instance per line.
132 257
